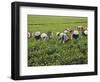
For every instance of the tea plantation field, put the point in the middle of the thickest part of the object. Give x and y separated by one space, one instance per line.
53 52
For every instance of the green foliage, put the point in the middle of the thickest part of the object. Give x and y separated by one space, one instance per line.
53 52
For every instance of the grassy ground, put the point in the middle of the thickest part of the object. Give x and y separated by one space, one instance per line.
52 52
